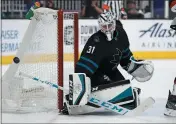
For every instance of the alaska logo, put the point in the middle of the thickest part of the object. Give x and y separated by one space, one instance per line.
116 58
157 30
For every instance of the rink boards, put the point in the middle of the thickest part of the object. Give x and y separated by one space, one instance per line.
149 39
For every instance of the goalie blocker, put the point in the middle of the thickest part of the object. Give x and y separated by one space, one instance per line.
80 90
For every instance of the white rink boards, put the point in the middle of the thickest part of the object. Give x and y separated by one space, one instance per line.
157 87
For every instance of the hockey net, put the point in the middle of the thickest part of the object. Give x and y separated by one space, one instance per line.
49 51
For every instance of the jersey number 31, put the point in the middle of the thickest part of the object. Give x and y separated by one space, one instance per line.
91 49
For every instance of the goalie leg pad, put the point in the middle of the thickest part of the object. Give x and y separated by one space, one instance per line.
79 89
77 98
119 92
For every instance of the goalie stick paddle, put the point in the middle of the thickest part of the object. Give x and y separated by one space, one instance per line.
121 110
105 104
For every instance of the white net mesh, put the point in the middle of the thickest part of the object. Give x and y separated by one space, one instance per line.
38 55
68 44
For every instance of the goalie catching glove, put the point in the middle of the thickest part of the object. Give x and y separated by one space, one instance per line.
141 70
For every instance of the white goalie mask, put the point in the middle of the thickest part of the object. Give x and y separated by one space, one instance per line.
107 24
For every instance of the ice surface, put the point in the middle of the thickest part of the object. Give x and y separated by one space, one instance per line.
158 87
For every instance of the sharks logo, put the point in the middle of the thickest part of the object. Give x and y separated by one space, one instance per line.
116 58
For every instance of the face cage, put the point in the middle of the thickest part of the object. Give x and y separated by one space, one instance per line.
107 27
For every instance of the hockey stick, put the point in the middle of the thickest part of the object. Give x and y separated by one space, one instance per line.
107 105
45 82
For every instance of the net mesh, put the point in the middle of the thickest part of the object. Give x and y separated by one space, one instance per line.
38 56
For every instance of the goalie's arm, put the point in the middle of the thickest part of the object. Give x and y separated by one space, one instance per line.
126 52
141 70
90 57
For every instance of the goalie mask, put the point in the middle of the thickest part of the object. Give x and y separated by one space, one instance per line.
107 24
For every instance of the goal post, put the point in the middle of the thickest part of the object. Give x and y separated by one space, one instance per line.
49 51
61 17
60 56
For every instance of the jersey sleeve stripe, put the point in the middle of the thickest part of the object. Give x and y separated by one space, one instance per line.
88 60
85 66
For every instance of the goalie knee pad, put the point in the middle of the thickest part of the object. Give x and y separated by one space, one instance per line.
79 91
